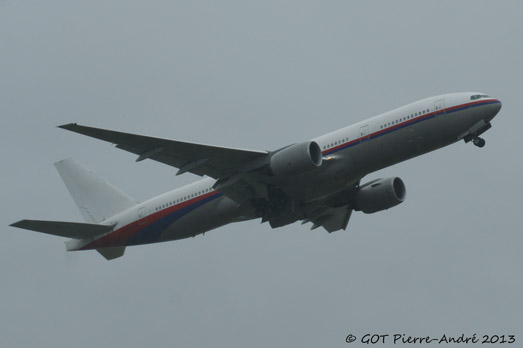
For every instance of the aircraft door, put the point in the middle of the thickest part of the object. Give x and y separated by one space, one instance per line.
142 216
364 133
439 107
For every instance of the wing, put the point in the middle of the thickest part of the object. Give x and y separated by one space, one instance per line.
214 161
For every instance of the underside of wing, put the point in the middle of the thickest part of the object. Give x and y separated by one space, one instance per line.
200 159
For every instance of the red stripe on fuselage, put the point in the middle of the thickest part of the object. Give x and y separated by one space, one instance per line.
407 122
121 235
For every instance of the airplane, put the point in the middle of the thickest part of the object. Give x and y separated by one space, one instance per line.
315 181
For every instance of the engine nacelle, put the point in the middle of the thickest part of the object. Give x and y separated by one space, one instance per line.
380 194
296 159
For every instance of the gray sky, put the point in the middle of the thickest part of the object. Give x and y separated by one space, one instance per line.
258 75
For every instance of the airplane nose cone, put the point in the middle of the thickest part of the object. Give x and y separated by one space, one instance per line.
498 104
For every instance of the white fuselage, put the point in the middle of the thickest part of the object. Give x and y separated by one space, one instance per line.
350 153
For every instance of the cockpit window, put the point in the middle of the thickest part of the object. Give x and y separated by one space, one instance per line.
478 96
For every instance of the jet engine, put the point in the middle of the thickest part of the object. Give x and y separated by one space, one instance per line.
380 194
296 159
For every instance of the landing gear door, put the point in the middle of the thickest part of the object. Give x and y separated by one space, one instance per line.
439 107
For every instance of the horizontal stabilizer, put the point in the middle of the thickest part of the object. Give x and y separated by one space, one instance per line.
75 230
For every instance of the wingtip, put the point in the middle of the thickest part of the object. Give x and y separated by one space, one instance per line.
68 125
17 224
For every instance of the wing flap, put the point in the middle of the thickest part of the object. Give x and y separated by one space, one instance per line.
332 219
76 230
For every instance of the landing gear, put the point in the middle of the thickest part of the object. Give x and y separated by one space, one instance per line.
479 142
474 132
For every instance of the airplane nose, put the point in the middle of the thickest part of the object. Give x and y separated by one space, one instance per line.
499 104
496 106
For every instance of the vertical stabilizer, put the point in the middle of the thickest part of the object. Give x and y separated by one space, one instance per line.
96 199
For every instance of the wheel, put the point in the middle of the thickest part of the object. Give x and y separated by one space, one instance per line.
479 142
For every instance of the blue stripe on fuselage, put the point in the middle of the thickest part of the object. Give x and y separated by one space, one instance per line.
406 124
152 232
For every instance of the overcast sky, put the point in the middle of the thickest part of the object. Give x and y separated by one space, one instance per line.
258 75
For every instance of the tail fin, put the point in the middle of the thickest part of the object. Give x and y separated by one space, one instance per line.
96 199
